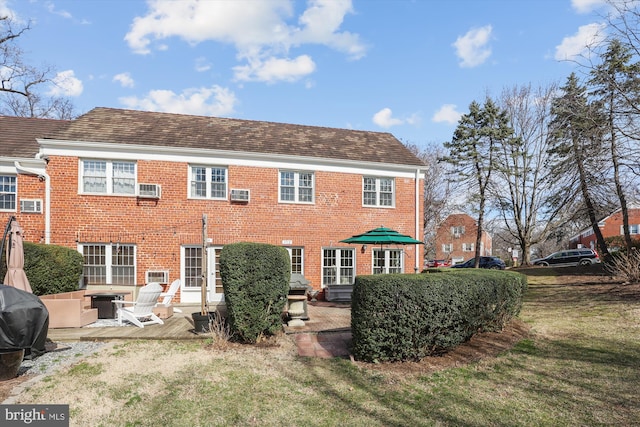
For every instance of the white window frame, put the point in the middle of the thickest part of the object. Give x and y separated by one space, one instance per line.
10 191
468 247
372 186
392 261
208 182
109 176
340 266
296 186
297 267
447 248
108 264
633 229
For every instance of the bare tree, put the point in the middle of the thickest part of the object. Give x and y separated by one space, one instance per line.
21 83
436 193
521 183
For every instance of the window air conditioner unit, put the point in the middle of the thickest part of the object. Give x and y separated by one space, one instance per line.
159 276
149 191
238 195
31 206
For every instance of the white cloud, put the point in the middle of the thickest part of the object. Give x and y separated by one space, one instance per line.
472 48
384 118
274 69
587 36
124 79
202 64
65 83
262 34
52 9
447 114
204 101
586 6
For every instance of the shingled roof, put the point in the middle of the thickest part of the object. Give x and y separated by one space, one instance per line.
177 130
18 135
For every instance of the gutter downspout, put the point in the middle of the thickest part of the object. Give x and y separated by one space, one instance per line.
42 176
417 209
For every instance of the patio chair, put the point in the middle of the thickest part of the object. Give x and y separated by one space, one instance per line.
167 297
140 311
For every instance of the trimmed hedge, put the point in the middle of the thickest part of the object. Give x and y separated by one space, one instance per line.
400 317
52 269
255 278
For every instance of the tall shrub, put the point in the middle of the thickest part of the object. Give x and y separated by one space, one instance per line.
255 279
52 269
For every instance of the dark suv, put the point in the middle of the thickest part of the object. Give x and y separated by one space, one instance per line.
491 262
570 257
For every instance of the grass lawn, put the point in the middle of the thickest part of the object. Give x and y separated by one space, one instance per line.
580 366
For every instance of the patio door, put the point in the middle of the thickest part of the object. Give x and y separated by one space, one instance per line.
191 266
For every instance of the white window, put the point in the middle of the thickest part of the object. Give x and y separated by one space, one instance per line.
468 247
108 177
8 193
109 263
387 261
338 266
633 229
297 260
208 182
296 187
457 230
31 205
378 191
447 247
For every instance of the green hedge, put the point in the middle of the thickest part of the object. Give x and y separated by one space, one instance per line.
255 278
401 317
52 269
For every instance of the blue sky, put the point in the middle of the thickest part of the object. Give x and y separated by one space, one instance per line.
405 67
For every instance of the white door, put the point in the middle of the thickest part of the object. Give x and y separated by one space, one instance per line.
191 266
214 282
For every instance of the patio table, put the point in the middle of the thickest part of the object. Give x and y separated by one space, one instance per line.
103 301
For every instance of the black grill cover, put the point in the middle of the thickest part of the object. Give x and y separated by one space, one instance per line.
24 322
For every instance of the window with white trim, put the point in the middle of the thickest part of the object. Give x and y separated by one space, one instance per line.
109 263
633 229
378 191
296 187
387 261
8 192
108 177
338 266
208 182
468 247
447 247
297 258
457 230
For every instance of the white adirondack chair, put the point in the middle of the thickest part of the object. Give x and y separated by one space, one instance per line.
167 297
140 311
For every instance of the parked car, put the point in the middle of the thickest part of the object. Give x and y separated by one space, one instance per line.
435 263
490 262
570 257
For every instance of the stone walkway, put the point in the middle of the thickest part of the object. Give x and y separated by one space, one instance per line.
327 332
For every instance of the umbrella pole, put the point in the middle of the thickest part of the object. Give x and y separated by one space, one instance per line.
4 239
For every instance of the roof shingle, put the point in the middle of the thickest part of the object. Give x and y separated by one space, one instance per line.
18 135
120 126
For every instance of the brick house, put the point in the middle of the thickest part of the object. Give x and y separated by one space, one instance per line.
611 226
130 190
456 239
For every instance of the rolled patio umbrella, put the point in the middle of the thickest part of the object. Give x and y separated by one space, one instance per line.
16 276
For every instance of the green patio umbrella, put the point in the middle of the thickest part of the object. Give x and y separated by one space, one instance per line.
382 236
